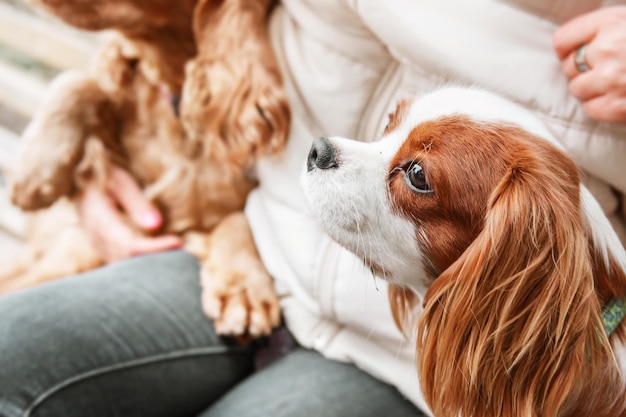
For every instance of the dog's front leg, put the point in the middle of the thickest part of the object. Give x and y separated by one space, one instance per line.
237 291
75 110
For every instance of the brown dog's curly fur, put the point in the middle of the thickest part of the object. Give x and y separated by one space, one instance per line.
195 166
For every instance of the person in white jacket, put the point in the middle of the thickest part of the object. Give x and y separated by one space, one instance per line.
131 340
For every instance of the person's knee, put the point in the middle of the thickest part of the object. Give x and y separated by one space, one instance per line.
53 332
143 387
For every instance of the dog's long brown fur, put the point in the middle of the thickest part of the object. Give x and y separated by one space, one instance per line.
195 166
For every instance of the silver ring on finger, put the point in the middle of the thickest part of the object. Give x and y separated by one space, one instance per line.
580 59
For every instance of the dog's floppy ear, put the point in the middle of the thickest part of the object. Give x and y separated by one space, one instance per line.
233 104
513 326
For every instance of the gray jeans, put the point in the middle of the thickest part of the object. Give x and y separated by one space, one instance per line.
130 339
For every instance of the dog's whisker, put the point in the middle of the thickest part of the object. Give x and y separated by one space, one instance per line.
379 246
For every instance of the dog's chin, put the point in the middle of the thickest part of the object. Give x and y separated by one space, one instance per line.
350 237
340 226
353 236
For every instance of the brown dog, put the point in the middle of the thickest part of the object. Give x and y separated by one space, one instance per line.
186 96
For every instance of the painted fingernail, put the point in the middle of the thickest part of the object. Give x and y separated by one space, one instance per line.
152 219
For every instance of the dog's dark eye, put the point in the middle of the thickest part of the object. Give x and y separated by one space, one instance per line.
416 179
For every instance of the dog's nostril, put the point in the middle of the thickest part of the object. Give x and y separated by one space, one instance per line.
322 155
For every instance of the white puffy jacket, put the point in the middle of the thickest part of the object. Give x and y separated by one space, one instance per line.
346 63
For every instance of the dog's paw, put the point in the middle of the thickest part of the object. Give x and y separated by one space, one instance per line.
41 180
73 110
242 304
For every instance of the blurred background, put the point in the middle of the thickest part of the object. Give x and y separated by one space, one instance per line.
34 48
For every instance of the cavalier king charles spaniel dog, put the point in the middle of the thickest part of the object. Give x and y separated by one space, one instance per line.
500 262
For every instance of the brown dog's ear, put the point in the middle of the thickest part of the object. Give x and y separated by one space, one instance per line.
513 327
233 105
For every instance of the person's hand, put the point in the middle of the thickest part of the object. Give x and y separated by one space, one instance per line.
601 87
108 227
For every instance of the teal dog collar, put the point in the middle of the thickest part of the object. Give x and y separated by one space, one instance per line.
612 315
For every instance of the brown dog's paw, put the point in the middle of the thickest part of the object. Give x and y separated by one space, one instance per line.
43 177
241 303
74 109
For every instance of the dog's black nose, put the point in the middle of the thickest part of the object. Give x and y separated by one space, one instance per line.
322 155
